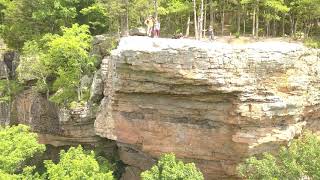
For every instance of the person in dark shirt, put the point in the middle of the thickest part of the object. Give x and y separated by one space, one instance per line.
211 33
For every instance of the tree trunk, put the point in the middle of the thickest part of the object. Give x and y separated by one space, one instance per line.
125 19
188 27
267 28
295 27
239 17
205 19
222 18
211 13
254 22
201 21
155 8
257 21
283 28
309 26
79 88
7 122
244 26
195 19
274 31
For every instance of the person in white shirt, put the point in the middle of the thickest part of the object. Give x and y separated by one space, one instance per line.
156 28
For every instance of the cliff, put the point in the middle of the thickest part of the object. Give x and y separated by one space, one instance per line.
211 103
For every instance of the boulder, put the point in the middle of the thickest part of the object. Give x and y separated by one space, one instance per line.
140 31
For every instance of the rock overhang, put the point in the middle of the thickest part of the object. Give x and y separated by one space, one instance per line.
209 102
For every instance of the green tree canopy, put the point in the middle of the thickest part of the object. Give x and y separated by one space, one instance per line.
300 159
77 164
25 20
17 145
64 58
169 168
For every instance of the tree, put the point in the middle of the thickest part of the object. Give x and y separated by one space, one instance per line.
196 30
201 20
125 18
169 168
32 66
77 164
96 17
17 145
64 58
300 159
68 55
25 20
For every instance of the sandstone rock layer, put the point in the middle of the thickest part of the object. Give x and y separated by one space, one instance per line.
210 103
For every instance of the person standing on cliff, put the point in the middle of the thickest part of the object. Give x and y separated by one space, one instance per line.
156 28
149 22
211 33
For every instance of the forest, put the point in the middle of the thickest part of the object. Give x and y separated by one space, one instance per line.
24 20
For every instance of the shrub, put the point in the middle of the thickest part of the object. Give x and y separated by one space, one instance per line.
300 159
17 145
78 164
312 42
169 168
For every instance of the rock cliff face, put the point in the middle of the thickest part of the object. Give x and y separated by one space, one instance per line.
211 103
8 64
56 126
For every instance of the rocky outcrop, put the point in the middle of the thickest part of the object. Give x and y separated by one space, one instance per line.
140 31
55 125
31 108
210 103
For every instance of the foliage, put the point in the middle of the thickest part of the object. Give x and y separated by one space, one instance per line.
169 168
63 59
96 17
77 164
301 158
312 42
17 145
26 20
8 89
69 56
32 66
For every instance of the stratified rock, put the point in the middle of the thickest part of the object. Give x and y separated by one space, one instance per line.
140 31
210 103
55 126
32 109
11 59
96 87
8 63
131 173
4 113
